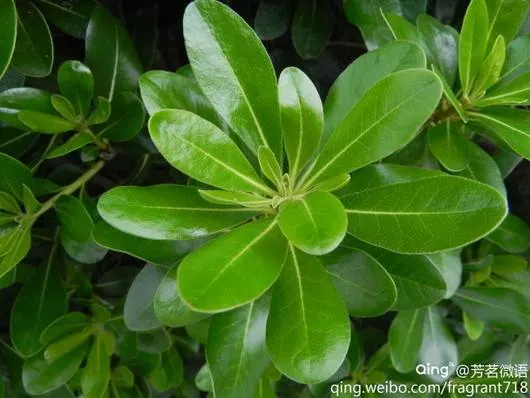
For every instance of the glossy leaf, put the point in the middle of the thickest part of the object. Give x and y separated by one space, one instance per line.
71 18
507 125
450 266
168 305
365 286
66 344
449 145
8 21
236 351
64 107
74 217
394 108
45 123
126 119
272 18
139 313
308 331
302 117
386 202
235 198
506 18
110 55
405 338
418 280
77 84
483 168
101 112
15 142
8 203
491 68
513 235
234 269
438 347
202 151
95 376
334 183
167 212
313 23
243 93
34 53
75 142
269 166
472 46
40 377
14 100
13 176
501 307
44 296
64 325
20 244
349 88
169 372
315 223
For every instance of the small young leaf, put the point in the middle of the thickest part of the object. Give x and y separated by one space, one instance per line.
269 166
101 112
334 184
31 204
234 269
272 18
449 145
491 68
95 376
77 84
473 327
66 324
8 203
126 119
19 246
472 45
315 224
64 107
169 373
308 330
75 142
66 344
235 198
201 150
313 23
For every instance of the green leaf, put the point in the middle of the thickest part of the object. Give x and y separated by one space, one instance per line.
308 330
473 327
86 252
405 99
405 338
30 202
110 55
418 280
269 166
501 307
75 142
14 100
8 231
74 217
159 252
64 107
44 297
66 344
77 84
201 150
236 351
95 376
243 93
72 17
438 347
168 90
513 235
101 112
334 183
315 223
449 264
349 88
507 125
15 142
402 29
272 18
365 286
64 325
169 373
235 198
126 119
168 305
483 168
8 203
506 264
313 24
139 314
472 45
385 202
449 94
234 269
491 68
33 54
506 18
8 22
20 245
302 117
40 377
167 212
45 123
514 83
440 44
449 145
122 376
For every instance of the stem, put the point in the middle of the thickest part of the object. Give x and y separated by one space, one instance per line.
71 188
42 158
98 141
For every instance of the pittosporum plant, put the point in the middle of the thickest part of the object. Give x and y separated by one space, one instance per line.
359 241
272 224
